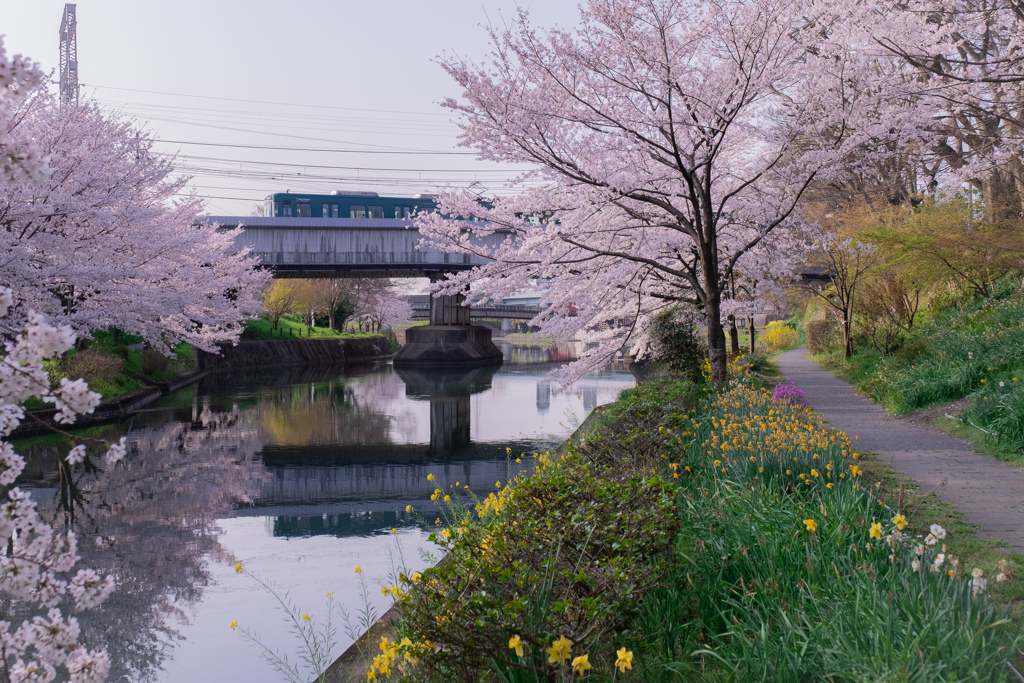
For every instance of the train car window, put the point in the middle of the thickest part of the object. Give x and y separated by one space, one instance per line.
356 211
277 209
403 212
376 212
334 210
303 210
326 210
287 209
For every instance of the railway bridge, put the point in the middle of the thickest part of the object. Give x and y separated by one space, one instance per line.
305 247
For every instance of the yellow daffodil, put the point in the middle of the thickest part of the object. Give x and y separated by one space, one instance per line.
238 567
900 521
233 624
330 593
447 498
408 508
559 650
854 470
516 643
810 524
358 569
430 477
876 530
581 664
814 473
415 577
624 659
306 617
828 485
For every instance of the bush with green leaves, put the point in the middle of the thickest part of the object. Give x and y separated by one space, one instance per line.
679 343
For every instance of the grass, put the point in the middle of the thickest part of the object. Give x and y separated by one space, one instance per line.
292 327
717 534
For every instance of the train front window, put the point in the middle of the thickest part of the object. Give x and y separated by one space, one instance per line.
376 212
303 210
356 211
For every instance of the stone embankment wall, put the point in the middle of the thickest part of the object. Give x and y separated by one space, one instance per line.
281 352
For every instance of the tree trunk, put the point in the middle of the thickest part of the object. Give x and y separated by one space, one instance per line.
847 336
717 356
734 337
750 329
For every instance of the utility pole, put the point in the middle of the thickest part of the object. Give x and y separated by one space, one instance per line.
69 56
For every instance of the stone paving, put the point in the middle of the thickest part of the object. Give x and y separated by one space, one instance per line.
989 492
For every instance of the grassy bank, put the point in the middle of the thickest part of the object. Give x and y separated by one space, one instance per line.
115 364
968 347
293 327
700 534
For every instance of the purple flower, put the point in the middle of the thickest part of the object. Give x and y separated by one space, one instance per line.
787 392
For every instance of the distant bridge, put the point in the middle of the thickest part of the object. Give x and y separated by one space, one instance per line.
347 247
421 311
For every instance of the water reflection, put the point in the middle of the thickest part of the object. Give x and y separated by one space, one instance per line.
318 458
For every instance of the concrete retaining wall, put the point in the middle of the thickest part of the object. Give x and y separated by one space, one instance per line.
290 352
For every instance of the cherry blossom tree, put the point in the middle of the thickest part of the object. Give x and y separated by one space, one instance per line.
672 142
36 568
109 237
970 54
18 77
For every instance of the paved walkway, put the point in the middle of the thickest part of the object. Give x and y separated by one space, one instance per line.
989 492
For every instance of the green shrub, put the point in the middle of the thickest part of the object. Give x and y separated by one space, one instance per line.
822 335
153 361
679 343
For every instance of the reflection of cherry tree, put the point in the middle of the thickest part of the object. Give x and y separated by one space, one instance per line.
151 522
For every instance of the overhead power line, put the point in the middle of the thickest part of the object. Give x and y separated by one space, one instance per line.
316 149
279 104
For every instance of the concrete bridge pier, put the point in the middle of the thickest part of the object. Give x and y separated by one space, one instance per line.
506 324
449 339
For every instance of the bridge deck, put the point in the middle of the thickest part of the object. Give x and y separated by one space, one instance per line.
347 247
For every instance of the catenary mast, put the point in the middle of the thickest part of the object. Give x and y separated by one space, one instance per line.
69 56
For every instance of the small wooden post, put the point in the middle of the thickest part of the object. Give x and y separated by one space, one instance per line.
734 337
750 328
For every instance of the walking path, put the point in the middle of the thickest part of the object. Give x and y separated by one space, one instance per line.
987 491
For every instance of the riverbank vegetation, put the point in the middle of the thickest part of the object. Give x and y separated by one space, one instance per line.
701 533
963 347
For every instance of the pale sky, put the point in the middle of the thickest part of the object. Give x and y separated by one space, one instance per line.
307 75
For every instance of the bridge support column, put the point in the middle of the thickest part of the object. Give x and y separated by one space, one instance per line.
506 324
449 339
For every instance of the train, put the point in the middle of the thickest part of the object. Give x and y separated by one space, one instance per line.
346 204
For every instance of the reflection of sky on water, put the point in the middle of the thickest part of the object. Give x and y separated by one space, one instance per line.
298 473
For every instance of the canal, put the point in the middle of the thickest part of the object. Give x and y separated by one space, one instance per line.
301 475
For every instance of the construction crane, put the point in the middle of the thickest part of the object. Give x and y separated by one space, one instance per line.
69 56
